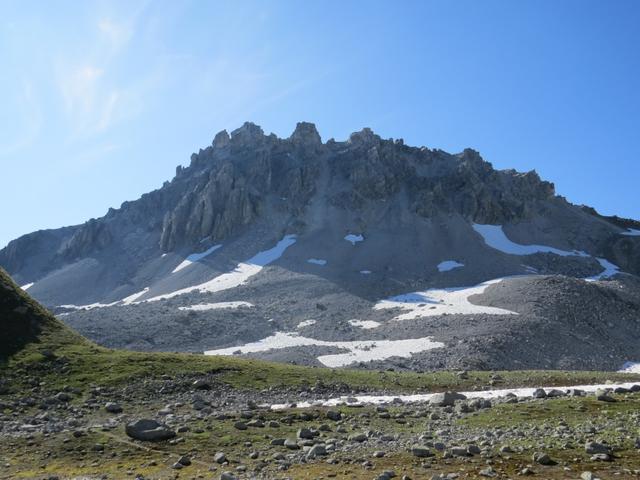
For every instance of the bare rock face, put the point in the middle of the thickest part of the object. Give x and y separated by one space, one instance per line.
249 176
94 235
624 251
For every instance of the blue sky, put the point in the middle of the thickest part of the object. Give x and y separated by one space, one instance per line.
101 100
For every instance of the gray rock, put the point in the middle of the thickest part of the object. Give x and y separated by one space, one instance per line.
220 458
543 459
291 444
595 447
113 407
421 451
334 415
358 437
445 399
316 451
149 430
603 396
539 393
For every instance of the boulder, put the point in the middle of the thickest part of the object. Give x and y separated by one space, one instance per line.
149 430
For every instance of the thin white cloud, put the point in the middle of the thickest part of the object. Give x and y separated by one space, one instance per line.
29 119
89 85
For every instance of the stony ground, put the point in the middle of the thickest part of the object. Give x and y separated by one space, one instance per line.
70 409
217 431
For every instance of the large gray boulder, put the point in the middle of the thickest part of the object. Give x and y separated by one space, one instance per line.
149 431
446 399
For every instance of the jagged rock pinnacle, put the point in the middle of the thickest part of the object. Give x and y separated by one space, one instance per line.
305 134
221 139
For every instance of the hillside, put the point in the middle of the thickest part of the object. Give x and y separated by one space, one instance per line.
71 409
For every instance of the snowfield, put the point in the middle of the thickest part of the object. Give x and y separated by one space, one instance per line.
357 351
195 257
449 265
216 306
27 286
631 232
450 301
240 275
354 238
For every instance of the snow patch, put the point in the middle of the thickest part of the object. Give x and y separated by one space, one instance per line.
240 275
365 272
450 301
609 270
365 324
495 237
448 265
425 397
630 367
132 298
354 238
27 286
195 257
317 261
216 306
631 232
91 306
357 351
306 323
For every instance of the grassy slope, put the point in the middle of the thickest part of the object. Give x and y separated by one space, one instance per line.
32 332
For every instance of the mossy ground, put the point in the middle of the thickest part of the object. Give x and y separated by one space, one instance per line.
68 456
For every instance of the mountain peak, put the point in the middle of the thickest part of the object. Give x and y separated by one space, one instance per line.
364 137
221 139
305 134
248 134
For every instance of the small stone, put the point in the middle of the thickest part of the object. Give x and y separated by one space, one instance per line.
487 472
603 396
113 407
595 447
601 457
291 444
220 458
421 452
539 393
316 451
334 415
543 459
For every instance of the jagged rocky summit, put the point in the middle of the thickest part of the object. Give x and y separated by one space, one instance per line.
319 247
